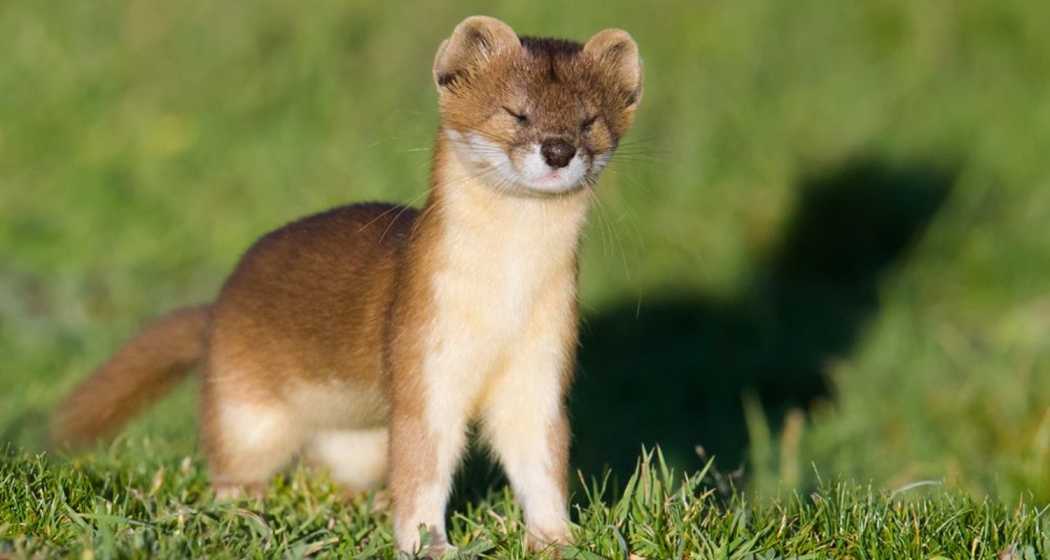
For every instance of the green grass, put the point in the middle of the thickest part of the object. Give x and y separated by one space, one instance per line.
824 250
164 509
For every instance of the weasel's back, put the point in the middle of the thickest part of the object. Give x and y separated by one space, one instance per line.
312 295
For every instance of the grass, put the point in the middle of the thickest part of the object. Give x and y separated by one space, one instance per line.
163 509
824 246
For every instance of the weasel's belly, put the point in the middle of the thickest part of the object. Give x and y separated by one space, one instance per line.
337 405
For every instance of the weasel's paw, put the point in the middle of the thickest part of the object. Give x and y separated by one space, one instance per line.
429 543
438 551
237 492
547 541
380 499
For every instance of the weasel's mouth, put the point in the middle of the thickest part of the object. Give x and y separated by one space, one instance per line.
553 176
552 182
523 168
535 174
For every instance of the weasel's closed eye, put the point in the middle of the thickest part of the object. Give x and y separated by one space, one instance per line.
588 123
521 117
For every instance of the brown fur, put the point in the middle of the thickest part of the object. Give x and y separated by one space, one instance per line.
143 369
345 300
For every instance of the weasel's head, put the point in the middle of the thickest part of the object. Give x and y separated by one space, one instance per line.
535 116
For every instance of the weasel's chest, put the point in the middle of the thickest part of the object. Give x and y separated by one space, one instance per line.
489 302
491 288
501 270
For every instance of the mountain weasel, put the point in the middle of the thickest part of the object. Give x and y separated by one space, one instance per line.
367 337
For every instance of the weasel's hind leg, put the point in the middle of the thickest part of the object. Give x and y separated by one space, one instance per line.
355 459
247 441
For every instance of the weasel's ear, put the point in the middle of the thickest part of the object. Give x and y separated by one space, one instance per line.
616 54
474 41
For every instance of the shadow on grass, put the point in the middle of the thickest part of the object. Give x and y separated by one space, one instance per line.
672 370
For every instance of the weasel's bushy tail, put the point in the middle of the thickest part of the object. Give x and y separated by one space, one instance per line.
147 366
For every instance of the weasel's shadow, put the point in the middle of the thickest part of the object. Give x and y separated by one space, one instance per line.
672 370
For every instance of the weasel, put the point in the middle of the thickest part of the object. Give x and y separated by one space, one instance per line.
367 337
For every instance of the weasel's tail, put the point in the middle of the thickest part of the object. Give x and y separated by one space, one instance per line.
147 366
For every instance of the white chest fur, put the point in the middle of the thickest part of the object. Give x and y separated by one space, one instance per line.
499 257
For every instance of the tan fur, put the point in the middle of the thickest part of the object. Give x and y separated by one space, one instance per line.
378 332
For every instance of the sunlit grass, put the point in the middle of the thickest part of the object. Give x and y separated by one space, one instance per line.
105 508
143 146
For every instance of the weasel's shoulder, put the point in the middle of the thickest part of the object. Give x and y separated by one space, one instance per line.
328 244
388 224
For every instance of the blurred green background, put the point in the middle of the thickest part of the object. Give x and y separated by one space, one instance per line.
824 249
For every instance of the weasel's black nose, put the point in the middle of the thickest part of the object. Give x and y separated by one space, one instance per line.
557 153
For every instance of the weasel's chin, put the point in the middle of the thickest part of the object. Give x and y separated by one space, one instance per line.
552 186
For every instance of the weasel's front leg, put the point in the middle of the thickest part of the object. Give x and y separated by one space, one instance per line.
427 437
527 426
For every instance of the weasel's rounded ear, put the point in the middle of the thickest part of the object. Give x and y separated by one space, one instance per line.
474 41
616 54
